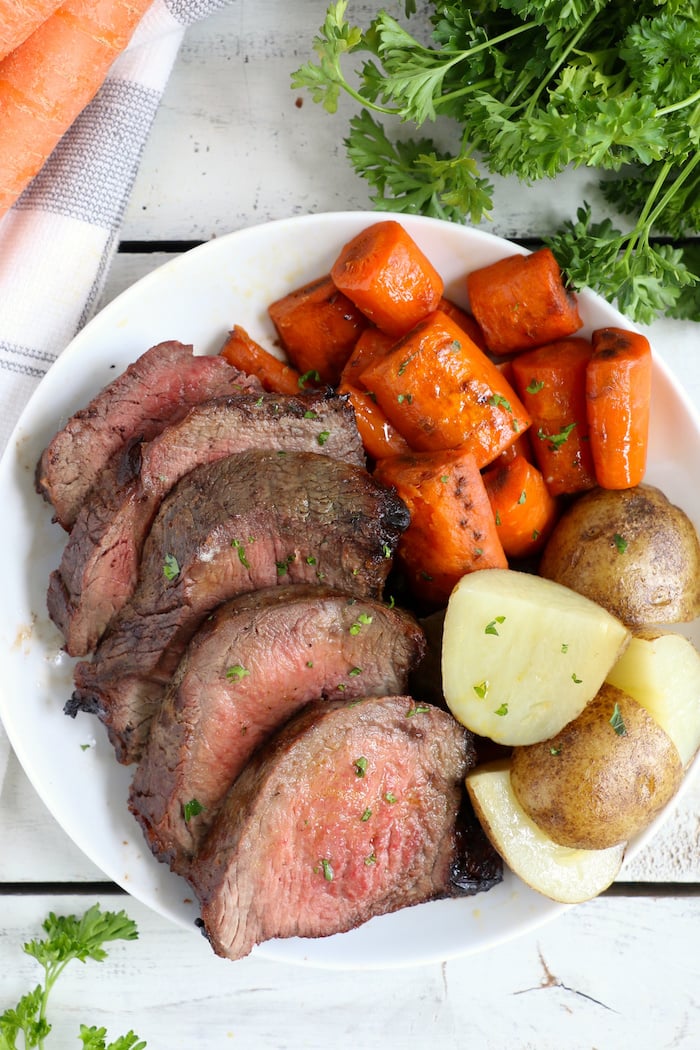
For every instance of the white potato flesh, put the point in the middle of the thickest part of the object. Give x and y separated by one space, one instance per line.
562 874
522 656
663 675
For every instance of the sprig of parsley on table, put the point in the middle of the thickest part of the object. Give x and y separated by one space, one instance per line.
67 938
534 87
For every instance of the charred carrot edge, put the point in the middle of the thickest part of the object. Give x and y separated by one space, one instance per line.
379 438
441 391
241 351
50 78
521 302
551 382
318 327
618 396
384 272
523 508
452 529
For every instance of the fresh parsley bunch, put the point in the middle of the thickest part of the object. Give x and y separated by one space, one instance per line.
67 938
534 87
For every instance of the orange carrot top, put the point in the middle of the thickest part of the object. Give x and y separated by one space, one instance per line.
387 276
618 395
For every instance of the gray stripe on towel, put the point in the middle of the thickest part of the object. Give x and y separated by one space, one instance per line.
90 173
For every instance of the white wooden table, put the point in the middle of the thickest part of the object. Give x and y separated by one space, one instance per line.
231 148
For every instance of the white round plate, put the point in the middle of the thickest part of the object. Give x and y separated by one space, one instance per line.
196 299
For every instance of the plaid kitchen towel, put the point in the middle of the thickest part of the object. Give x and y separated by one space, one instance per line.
58 240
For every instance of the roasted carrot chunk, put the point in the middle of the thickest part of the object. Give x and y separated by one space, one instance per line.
241 351
318 328
379 437
465 321
618 394
384 272
524 510
552 384
441 391
521 302
371 345
452 528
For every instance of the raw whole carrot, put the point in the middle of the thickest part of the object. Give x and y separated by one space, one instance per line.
371 345
452 529
465 321
521 302
379 437
551 382
248 356
318 327
618 394
384 272
50 78
441 391
523 508
19 19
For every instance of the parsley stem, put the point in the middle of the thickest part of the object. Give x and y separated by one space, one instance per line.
565 52
679 105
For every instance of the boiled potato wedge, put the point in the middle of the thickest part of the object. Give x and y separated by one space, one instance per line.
630 550
603 778
565 875
662 673
522 656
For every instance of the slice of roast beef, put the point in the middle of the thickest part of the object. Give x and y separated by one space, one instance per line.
100 562
248 669
256 519
157 388
349 812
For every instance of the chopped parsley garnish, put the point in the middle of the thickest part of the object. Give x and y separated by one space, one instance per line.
481 689
308 377
620 542
327 869
534 386
408 398
235 673
362 621
354 671
418 709
556 440
498 399
366 815
522 498
283 566
323 437
171 569
502 710
310 414
491 627
192 808
565 647
555 750
617 721
390 797
371 859
238 546
575 680
360 765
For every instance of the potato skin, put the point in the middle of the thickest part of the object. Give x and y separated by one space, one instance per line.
590 787
630 550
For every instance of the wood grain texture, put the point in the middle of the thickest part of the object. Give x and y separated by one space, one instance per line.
611 974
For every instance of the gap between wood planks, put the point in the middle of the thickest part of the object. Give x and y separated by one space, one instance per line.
84 889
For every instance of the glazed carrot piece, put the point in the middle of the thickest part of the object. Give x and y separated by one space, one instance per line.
384 272
50 78
318 327
618 394
523 508
521 302
379 437
276 376
552 384
452 530
371 345
465 321
441 391
18 20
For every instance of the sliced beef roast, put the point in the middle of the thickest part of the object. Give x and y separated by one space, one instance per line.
100 562
248 669
349 812
156 389
252 520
